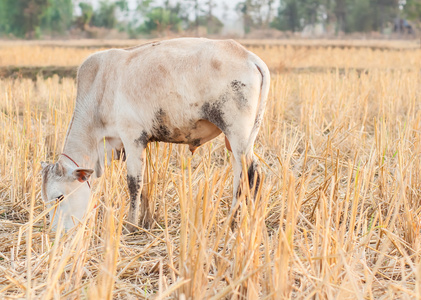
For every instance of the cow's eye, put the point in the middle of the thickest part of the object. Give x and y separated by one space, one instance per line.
60 198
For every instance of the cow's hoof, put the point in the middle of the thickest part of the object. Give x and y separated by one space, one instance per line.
147 222
234 222
128 229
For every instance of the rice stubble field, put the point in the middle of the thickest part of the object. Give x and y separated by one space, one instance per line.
337 215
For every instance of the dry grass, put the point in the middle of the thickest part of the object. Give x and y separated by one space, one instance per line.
277 55
338 215
289 57
389 43
42 56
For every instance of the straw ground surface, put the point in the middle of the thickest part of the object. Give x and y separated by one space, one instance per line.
337 215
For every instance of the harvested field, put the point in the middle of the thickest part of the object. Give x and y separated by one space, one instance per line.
338 215
278 56
341 43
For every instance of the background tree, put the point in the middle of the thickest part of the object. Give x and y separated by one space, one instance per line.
412 9
347 15
212 23
22 18
31 18
294 15
160 19
105 15
84 20
340 10
4 17
287 17
57 16
360 17
310 11
244 9
370 15
196 9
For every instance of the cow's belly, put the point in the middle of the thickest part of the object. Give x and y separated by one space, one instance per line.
193 134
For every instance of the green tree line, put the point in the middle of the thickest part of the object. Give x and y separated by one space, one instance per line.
34 18
346 15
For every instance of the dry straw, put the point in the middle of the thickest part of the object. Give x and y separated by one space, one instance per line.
338 215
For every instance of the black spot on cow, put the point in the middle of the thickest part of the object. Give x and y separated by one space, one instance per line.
213 112
223 98
253 173
143 139
134 187
177 135
237 85
160 129
161 133
195 143
238 93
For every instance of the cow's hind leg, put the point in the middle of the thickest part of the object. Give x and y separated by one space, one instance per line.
241 146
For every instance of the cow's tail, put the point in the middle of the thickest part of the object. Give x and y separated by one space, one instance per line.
253 168
264 92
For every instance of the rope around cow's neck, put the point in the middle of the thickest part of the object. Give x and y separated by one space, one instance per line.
65 155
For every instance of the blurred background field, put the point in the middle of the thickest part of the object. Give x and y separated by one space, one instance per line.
46 58
276 54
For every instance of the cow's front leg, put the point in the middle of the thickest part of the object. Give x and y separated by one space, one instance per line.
135 170
135 150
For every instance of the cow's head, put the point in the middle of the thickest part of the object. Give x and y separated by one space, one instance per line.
65 186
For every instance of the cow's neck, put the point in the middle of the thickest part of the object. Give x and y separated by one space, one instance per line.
79 146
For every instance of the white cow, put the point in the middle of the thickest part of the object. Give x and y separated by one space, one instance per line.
185 90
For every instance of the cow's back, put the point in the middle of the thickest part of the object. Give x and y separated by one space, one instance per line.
180 74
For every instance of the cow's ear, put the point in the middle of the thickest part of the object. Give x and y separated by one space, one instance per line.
44 164
82 175
58 169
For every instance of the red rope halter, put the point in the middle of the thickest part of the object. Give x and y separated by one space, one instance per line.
65 155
